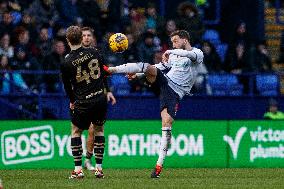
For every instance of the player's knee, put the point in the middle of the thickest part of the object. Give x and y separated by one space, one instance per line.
76 132
151 71
98 129
167 119
168 123
91 130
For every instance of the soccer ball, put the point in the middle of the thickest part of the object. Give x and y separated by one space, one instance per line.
118 42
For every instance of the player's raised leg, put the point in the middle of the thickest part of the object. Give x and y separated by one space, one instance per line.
140 67
167 122
90 147
129 68
99 148
77 150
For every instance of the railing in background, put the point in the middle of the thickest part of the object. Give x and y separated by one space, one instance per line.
24 99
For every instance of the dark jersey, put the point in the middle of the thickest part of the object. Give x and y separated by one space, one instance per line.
83 74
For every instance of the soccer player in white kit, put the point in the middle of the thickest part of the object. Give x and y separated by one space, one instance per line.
174 78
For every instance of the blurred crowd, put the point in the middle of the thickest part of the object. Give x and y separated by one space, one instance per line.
32 37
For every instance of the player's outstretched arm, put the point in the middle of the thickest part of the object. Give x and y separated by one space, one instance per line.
192 55
163 66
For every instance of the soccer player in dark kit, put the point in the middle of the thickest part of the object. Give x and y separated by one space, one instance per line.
94 132
83 77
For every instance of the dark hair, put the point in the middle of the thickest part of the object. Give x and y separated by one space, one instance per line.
88 29
74 35
182 34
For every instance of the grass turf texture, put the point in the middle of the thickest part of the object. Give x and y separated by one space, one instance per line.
140 178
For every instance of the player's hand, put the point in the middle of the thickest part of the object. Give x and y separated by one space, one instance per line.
131 76
111 98
71 106
165 57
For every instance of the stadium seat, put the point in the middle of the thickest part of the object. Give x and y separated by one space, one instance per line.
267 84
224 85
212 36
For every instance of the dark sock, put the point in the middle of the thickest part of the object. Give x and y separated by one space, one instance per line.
77 150
99 149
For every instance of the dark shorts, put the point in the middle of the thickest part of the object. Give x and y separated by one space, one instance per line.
168 97
90 111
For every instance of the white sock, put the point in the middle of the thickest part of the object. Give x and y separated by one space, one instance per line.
164 144
130 68
78 168
99 166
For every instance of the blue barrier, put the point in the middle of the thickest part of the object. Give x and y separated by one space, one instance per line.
194 107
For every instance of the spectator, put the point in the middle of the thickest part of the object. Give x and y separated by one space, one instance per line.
90 13
237 59
43 12
3 7
9 79
24 59
69 13
23 62
241 35
137 22
28 25
52 62
5 47
131 55
43 43
111 13
164 36
262 60
154 22
273 113
5 77
6 25
211 58
146 48
190 21
22 37
60 34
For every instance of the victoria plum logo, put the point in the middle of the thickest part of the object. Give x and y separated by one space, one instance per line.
234 143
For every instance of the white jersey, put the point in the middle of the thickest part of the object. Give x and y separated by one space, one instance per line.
183 69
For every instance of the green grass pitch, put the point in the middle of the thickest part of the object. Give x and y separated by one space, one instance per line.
140 178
